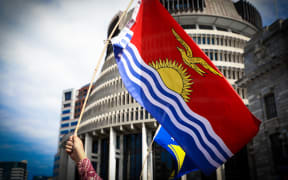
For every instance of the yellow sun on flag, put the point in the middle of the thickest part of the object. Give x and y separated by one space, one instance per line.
174 76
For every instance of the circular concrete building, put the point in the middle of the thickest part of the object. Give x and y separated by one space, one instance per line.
116 130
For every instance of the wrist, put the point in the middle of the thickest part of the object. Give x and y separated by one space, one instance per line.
81 156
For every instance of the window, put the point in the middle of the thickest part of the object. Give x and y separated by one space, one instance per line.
64 125
64 132
118 142
67 105
211 55
131 115
216 56
146 114
74 123
270 106
141 113
194 39
205 27
208 40
279 149
203 40
68 96
66 111
95 146
199 40
213 40
72 130
65 118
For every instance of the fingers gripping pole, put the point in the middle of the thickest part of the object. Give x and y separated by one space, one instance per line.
98 64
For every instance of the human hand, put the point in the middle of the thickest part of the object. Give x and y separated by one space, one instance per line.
74 147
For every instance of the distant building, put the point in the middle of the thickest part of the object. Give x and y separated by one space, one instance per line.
13 170
266 80
72 102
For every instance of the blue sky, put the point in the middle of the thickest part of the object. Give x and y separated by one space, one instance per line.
48 46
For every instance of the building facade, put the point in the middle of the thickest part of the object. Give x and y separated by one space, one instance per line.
266 80
13 170
117 131
72 102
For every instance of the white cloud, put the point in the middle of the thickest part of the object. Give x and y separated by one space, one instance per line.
47 47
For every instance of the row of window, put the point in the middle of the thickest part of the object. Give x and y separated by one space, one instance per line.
132 114
216 55
67 124
106 89
108 63
66 105
125 99
107 74
172 5
242 92
217 40
66 132
110 102
232 73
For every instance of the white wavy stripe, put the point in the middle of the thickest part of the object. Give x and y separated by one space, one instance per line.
170 114
188 110
175 105
124 41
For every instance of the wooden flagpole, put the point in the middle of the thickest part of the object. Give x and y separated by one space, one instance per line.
149 150
98 64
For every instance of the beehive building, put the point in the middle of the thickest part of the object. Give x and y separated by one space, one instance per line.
116 130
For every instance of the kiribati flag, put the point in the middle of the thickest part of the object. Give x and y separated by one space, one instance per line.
184 163
169 75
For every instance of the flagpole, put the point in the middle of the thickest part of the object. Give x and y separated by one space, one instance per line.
98 64
149 150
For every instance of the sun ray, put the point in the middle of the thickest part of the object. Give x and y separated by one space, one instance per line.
168 70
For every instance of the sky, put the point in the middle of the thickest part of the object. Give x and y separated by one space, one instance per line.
47 46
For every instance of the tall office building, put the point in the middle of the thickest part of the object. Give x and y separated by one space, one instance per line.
116 130
13 170
72 102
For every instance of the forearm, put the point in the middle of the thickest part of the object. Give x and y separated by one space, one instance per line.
86 170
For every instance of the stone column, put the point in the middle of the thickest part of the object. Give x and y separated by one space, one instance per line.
70 169
88 145
112 157
150 158
144 151
121 159
63 164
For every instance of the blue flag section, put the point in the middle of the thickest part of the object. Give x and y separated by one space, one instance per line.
184 163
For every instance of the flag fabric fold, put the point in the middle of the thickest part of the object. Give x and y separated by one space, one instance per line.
184 163
169 75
